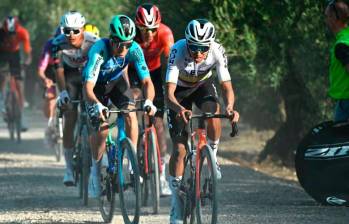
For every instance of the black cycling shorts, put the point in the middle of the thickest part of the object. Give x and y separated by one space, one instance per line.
206 93
50 72
73 83
118 91
13 60
156 78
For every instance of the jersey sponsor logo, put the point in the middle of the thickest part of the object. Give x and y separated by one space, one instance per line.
172 57
144 68
97 65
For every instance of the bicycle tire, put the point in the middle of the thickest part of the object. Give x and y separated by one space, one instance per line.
206 204
10 114
129 184
141 164
18 118
154 172
58 141
107 197
187 188
86 163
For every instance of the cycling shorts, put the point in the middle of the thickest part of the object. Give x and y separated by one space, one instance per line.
50 72
13 60
204 94
156 78
118 91
73 83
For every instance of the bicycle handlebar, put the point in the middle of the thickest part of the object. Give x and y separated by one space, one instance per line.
204 116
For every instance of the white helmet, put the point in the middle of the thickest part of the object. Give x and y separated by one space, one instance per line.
72 19
200 32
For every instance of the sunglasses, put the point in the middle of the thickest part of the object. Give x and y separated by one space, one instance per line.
120 44
197 48
146 29
67 31
332 4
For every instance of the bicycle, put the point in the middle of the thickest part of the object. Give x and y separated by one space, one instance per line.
56 135
13 113
148 154
121 175
198 187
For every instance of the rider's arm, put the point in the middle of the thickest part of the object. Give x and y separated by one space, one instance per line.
25 38
43 61
58 63
172 74
167 39
137 57
91 71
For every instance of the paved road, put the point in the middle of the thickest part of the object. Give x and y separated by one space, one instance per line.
31 191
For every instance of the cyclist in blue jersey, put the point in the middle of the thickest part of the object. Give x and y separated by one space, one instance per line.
105 78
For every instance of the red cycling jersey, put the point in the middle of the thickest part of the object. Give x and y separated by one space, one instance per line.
162 43
11 42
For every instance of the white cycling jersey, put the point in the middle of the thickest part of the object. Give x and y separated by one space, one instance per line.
183 70
69 55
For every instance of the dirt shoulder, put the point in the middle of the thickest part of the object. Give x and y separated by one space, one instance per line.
245 148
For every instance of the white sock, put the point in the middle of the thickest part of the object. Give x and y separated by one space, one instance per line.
214 146
163 168
50 122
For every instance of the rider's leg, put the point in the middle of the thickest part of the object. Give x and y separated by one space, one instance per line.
70 117
131 125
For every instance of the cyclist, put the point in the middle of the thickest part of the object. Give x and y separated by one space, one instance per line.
47 74
12 34
189 79
71 50
336 17
155 38
89 27
105 77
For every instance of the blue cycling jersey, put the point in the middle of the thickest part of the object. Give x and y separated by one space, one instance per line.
102 67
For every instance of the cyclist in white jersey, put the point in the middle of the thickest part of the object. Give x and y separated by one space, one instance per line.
189 79
71 49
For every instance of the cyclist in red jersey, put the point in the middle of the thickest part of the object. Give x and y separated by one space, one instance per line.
156 39
12 34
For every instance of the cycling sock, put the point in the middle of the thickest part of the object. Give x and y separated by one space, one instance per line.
68 155
214 146
163 168
50 122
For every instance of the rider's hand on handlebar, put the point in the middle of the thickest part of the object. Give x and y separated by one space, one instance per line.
63 98
103 111
233 114
149 104
185 115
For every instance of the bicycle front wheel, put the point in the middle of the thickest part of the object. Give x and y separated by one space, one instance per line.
129 183
107 197
153 163
206 199
86 162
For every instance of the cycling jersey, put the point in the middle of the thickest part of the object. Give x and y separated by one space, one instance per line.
11 42
69 55
46 56
102 67
162 43
183 70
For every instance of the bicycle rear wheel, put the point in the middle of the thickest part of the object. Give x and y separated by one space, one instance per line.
206 203
10 116
86 162
58 137
129 184
153 164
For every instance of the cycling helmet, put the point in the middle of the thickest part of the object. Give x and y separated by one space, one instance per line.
72 19
122 27
92 29
10 24
200 32
148 15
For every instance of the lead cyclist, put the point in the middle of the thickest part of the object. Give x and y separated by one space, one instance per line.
189 79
